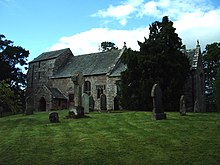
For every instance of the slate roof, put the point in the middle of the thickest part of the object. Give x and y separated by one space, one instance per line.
118 69
90 64
56 93
50 55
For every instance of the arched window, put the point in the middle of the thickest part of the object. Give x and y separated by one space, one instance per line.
87 88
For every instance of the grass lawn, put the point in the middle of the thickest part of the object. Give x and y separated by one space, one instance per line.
110 138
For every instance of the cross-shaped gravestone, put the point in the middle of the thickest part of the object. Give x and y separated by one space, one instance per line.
78 80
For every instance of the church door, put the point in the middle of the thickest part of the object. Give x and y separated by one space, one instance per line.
42 104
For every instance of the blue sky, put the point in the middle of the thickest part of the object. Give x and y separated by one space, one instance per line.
44 25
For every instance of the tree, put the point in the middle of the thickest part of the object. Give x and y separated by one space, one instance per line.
13 59
106 46
217 89
8 99
160 60
211 63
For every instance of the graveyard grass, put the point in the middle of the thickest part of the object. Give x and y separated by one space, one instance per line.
110 138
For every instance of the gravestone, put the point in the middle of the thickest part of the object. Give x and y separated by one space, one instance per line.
54 117
196 106
158 111
182 106
103 105
91 103
78 80
85 102
29 110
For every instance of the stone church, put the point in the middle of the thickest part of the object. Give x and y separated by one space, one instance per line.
49 83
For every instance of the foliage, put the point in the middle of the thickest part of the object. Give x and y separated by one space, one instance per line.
12 60
110 138
160 60
106 46
217 89
211 63
8 98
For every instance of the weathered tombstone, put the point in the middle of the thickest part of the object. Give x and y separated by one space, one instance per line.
196 106
54 117
103 102
158 111
29 106
91 103
78 80
85 102
182 106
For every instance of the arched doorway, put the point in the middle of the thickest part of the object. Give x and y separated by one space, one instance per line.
42 104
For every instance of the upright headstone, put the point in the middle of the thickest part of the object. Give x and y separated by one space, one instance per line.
29 106
54 117
158 111
103 102
196 109
182 106
85 102
91 103
78 80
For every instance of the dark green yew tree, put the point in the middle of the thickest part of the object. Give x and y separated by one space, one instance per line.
160 60
211 63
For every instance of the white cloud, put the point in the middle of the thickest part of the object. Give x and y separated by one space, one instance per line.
193 19
199 25
89 41
121 12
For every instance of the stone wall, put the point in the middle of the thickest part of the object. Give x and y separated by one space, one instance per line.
66 86
111 91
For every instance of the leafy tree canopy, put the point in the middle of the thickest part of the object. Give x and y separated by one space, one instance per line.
12 60
160 60
106 46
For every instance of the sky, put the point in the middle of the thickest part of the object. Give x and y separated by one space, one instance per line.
46 25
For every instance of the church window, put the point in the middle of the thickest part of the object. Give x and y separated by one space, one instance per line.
100 89
87 88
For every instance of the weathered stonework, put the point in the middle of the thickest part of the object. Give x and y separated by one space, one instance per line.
195 85
51 89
